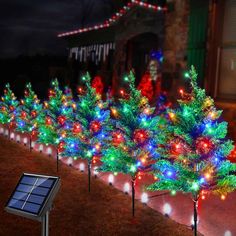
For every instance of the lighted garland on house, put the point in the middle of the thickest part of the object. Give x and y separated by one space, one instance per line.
8 106
115 17
195 160
136 138
28 113
90 126
53 122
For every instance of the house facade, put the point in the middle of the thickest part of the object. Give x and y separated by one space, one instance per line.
189 32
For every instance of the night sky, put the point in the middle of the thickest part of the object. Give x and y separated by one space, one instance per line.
28 27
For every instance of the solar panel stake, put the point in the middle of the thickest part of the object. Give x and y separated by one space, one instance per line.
33 198
45 224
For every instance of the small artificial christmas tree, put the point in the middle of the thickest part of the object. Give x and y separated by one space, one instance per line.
195 158
8 107
28 113
136 137
90 126
54 121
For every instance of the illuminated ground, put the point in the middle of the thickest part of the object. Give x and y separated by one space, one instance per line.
105 211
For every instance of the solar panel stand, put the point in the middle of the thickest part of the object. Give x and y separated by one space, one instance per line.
33 197
45 224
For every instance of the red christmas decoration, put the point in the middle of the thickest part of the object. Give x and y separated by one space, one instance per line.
23 114
61 146
176 147
12 125
3 108
97 84
12 108
26 92
232 155
33 113
187 97
140 136
80 90
117 138
124 94
61 120
77 128
51 93
48 121
95 126
204 145
34 134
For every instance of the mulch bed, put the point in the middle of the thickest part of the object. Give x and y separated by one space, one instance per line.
105 211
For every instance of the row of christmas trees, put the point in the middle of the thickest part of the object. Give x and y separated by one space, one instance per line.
185 149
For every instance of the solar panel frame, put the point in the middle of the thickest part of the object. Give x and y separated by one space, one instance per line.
46 203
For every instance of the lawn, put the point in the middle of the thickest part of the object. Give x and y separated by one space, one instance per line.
105 211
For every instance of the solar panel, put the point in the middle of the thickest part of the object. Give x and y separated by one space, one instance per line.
33 195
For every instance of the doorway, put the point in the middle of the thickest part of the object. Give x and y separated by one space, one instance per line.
138 52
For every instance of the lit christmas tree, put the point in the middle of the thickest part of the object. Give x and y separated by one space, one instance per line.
90 126
136 138
28 113
8 108
54 121
195 160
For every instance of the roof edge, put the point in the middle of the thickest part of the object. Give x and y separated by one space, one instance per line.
114 18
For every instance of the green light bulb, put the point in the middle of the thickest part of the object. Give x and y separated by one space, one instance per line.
195 186
126 78
133 168
186 75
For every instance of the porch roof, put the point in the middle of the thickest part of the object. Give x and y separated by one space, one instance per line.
105 35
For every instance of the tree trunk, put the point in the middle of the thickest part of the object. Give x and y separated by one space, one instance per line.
30 142
133 196
9 132
89 175
57 160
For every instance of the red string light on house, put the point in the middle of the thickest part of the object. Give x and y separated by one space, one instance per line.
115 17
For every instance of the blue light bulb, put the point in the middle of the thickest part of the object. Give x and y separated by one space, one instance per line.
138 163
202 180
169 173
